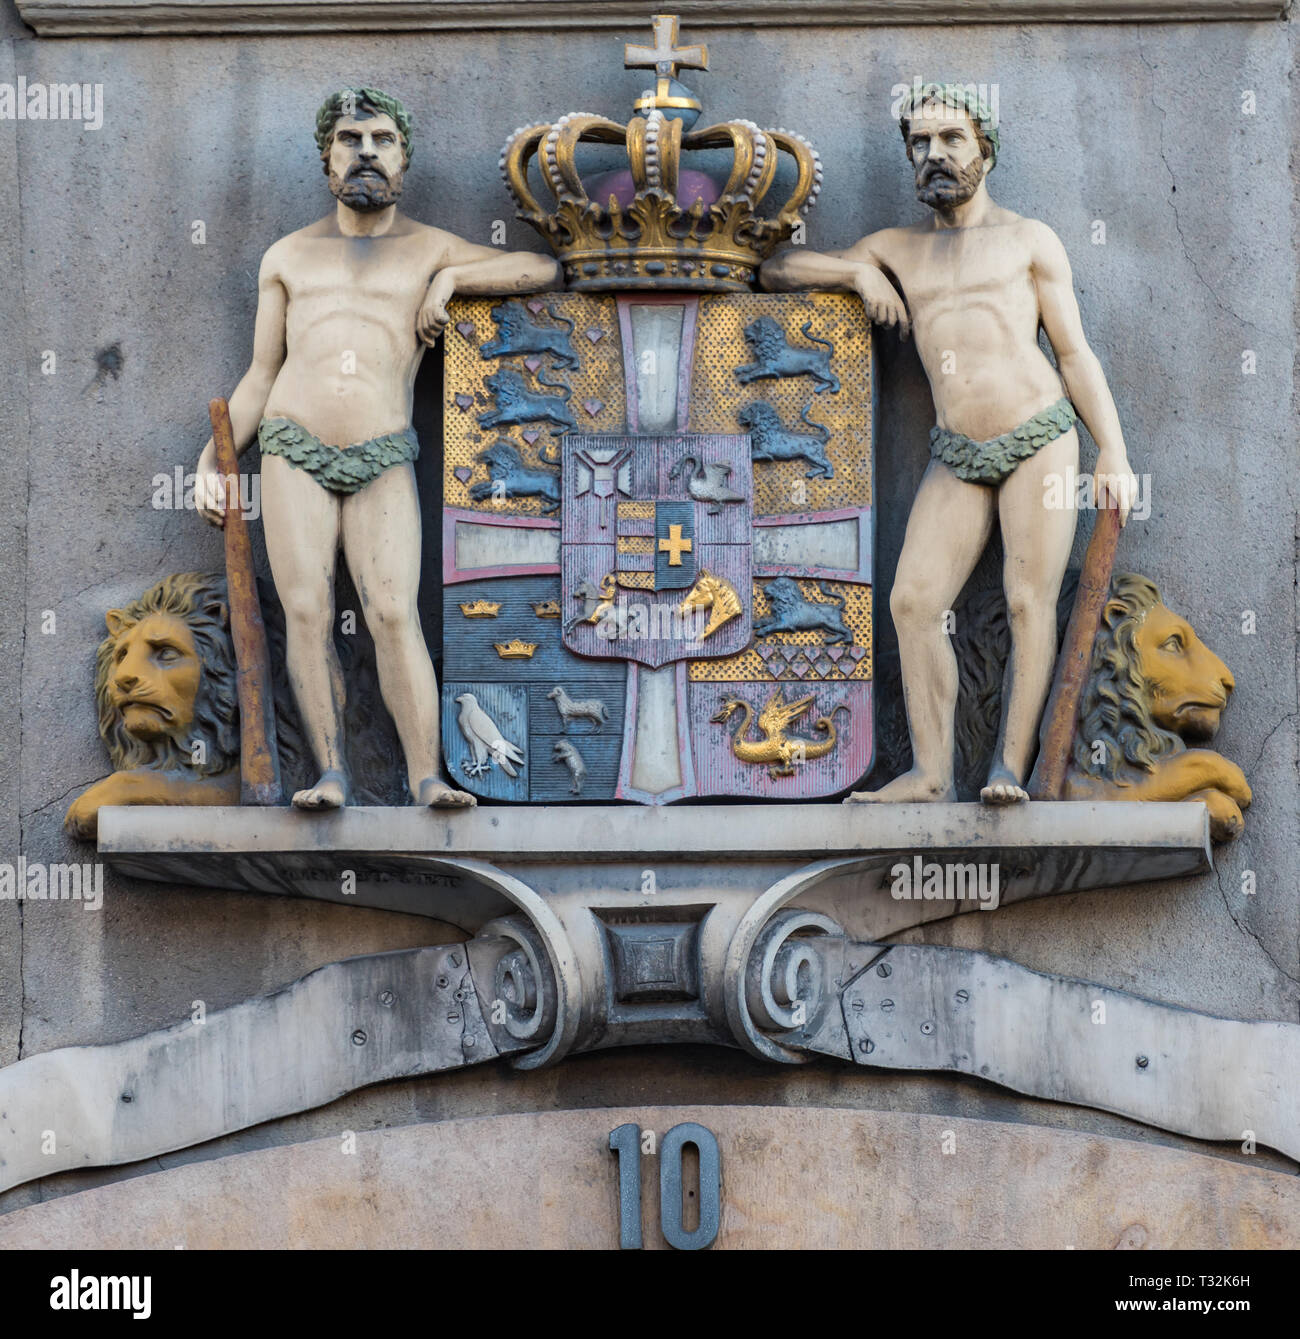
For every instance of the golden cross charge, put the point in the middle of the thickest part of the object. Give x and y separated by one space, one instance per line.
665 56
674 546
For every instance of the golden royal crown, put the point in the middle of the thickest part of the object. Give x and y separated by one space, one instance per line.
516 649
654 223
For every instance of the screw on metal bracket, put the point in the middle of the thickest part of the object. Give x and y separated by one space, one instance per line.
856 1004
461 996
467 1043
884 969
358 1038
453 1018
1143 1062
866 1046
386 998
887 1005
963 996
454 959
126 1097
926 1029
442 983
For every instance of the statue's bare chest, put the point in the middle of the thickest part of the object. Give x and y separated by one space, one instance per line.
979 267
380 277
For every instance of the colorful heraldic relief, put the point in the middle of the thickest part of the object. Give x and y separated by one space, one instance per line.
657 542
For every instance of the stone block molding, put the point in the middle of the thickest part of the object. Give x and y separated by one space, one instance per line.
130 18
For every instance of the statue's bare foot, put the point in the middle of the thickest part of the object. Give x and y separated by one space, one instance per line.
912 787
1003 788
434 793
330 792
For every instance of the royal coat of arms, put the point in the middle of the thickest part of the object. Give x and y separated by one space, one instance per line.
657 530
657 546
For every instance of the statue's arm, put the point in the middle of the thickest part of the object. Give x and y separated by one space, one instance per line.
250 396
860 269
1079 367
481 271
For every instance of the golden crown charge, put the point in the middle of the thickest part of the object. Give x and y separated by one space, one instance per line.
516 649
657 223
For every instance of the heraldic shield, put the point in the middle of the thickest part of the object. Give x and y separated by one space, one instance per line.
657 547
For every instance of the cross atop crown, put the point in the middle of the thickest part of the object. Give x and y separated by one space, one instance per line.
665 57
681 228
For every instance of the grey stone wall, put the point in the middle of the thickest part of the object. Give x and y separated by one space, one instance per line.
1140 127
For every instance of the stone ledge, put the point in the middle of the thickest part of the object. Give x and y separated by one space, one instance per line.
132 18
605 833
427 863
805 1177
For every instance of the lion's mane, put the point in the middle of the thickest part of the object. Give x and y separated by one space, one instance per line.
509 317
1114 710
762 418
783 594
502 457
198 601
765 337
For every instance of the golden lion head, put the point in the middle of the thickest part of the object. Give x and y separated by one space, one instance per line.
1155 686
165 679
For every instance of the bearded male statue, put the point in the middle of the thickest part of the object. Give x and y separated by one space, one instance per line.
976 282
346 307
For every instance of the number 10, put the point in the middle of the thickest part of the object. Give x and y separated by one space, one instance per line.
626 1143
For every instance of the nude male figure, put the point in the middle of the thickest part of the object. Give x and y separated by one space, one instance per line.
974 284
345 310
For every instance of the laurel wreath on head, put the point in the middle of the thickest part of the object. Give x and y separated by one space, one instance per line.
962 98
367 102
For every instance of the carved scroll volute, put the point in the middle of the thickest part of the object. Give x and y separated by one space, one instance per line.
523 995
784 985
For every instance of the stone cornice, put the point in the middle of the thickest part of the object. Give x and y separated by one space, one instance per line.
131 18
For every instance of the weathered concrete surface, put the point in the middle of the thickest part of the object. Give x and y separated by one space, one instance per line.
16 620
11 24
812 1179
1139 127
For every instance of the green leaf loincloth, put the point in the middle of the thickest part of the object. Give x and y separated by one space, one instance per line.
993 461
342 469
